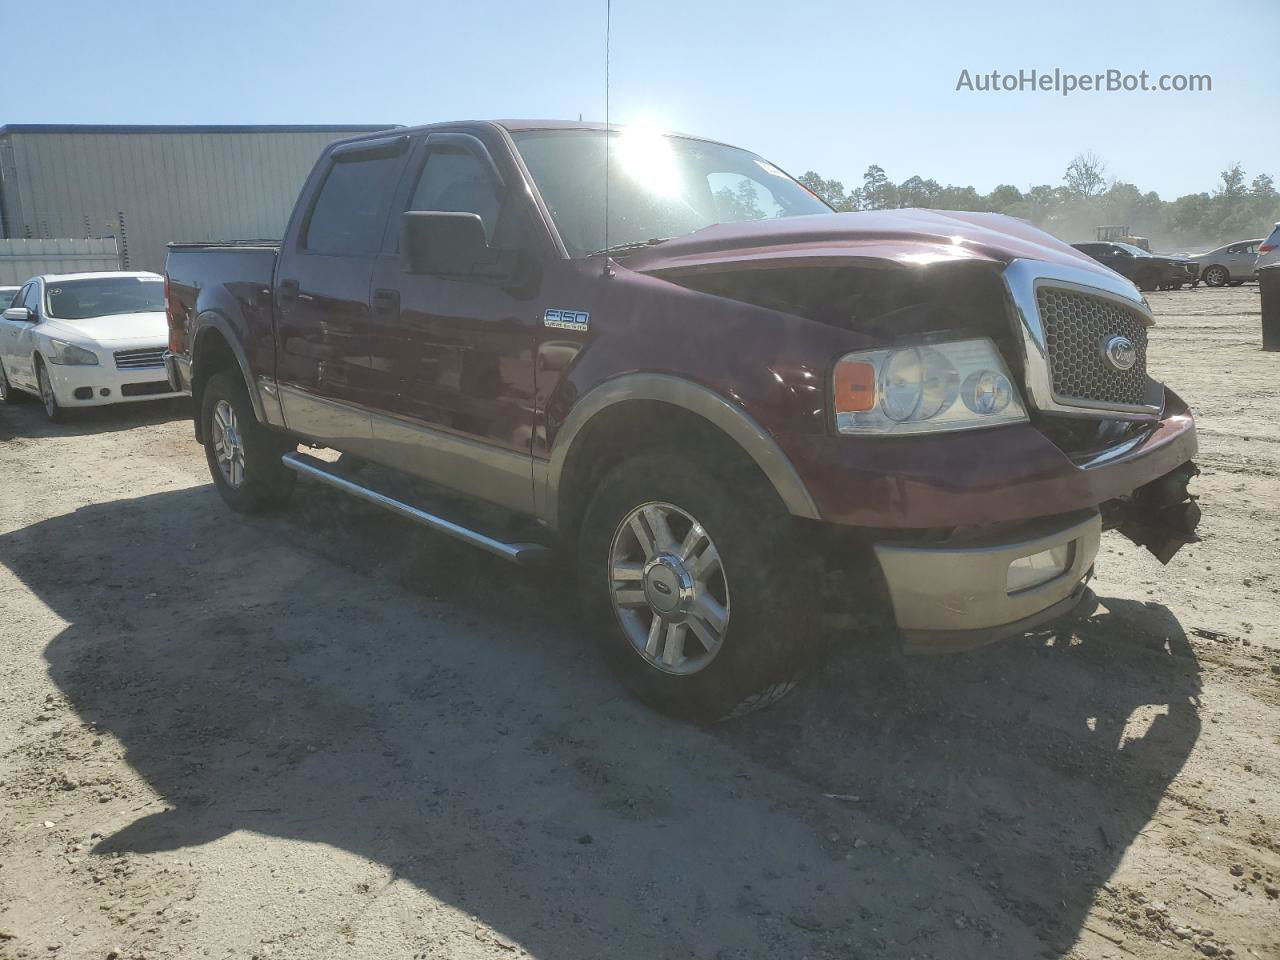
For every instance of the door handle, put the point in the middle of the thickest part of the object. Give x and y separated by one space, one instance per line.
386 304
286 294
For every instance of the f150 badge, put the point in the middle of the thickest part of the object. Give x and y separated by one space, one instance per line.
567 319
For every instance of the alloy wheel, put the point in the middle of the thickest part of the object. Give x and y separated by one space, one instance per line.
228 445
668 588
46 393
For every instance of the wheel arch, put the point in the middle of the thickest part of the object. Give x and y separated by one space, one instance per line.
216 347
609 423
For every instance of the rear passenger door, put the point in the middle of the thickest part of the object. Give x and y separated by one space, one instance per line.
322 294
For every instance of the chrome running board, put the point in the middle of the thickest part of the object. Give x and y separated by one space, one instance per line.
522 553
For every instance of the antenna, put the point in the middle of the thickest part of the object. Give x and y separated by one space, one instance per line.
608 27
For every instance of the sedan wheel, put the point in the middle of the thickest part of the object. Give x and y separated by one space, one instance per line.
1216 276
51 408
668 588
7 394
228 447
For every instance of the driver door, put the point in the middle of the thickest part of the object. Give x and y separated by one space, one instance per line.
456 353
18 340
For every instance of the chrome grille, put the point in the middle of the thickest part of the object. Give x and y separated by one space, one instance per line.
1076 326
140 359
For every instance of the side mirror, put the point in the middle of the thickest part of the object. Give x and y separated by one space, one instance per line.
19 315
451 244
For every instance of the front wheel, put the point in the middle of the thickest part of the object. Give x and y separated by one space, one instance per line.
52 409
690 588
1216 276
244 456
7 394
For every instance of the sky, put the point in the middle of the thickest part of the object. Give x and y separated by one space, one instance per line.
831 87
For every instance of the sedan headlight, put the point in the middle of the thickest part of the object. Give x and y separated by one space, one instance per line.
72 355
925 388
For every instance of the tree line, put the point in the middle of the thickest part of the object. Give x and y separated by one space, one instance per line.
1237 208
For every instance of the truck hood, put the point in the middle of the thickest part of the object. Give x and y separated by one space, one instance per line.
906 237
120 326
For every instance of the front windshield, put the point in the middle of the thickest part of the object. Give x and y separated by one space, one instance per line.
659 186
103 297
1133 251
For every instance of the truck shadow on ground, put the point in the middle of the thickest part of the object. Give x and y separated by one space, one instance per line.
460 733
25 418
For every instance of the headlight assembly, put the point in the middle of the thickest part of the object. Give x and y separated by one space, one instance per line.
71 355
925 388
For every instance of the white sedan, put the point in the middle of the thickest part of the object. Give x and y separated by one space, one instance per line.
85 339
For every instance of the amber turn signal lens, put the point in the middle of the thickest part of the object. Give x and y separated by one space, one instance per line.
855 387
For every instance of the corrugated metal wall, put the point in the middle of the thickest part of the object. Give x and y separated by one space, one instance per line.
149 186
20 260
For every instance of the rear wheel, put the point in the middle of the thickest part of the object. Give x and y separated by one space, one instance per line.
1216 276
244 456
52 409
1148 282
689 587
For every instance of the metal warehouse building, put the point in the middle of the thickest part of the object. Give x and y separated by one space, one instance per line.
146 186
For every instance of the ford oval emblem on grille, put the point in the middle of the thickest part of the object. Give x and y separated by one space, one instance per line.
1120 352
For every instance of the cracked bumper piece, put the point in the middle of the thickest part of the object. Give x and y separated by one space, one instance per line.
955 596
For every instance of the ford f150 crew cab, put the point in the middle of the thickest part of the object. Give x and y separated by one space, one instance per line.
721 405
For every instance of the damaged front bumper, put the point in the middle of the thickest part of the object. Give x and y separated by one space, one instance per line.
1161 515
975 589
965 593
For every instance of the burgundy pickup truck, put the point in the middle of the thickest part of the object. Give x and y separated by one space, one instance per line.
727 409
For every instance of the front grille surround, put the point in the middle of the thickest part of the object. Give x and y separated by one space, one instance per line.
147 358
1023 278
1077 326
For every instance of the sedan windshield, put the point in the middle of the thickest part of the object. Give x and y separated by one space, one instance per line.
103 297
659 186
1134 251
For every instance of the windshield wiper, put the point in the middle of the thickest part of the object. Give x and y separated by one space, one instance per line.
632 245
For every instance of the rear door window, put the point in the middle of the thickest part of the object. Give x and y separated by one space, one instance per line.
346 219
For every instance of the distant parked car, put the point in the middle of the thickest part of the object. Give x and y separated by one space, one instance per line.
6 296
1269 250
86 339
1150 271
1233 263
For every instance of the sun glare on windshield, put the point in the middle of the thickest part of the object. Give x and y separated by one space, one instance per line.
647 157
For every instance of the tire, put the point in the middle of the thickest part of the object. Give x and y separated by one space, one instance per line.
243 455
1147 282
52 409
7 393
727 666
1215 276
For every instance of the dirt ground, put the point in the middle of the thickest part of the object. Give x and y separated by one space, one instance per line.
327 734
